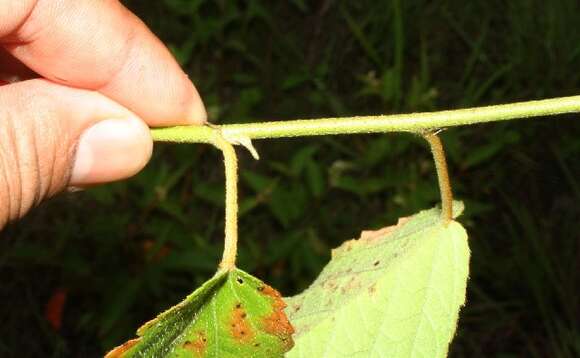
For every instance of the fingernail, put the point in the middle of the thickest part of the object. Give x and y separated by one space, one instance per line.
111 150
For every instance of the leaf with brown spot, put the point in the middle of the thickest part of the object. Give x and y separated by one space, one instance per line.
240 327
277 323
395 292
198 346
232 315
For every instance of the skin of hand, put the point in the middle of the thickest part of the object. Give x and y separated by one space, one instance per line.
92 79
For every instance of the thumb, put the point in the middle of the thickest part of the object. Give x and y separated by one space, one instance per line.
52 136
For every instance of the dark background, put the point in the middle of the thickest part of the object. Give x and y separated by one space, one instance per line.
121 253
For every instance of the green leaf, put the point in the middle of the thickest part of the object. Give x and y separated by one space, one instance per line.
232 315
301 159
395 292
288 203
259 183
212 193
315 178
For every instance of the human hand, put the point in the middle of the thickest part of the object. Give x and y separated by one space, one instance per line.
96 78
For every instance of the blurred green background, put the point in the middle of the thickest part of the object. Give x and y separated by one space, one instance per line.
117 255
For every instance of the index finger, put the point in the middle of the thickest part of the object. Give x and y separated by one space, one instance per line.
102 46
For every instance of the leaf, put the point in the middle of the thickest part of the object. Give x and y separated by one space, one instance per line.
259 183
212 193
395 292
288 204
302 158
231 315
315 179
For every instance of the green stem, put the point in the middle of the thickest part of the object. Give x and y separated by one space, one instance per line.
223 136
414 122
228 262
442 176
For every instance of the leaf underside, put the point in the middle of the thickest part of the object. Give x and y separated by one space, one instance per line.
395 292
231 315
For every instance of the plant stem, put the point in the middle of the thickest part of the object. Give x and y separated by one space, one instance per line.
414 122
442 176
228 262
223 136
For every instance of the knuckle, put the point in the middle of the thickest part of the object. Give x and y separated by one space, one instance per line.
31 152
10 178
13 14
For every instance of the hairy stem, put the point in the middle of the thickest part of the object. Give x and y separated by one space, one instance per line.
442 176
223 136
231 216
414 122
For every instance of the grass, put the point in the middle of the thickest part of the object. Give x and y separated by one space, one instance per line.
126 251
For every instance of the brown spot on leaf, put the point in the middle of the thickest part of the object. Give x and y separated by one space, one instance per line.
372 289
269 291
367 238
277 323
239 326
330 285
119 352
371 235
353 285
198 346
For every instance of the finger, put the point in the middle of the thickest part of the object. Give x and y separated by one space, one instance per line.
100 45
55 136
13 70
